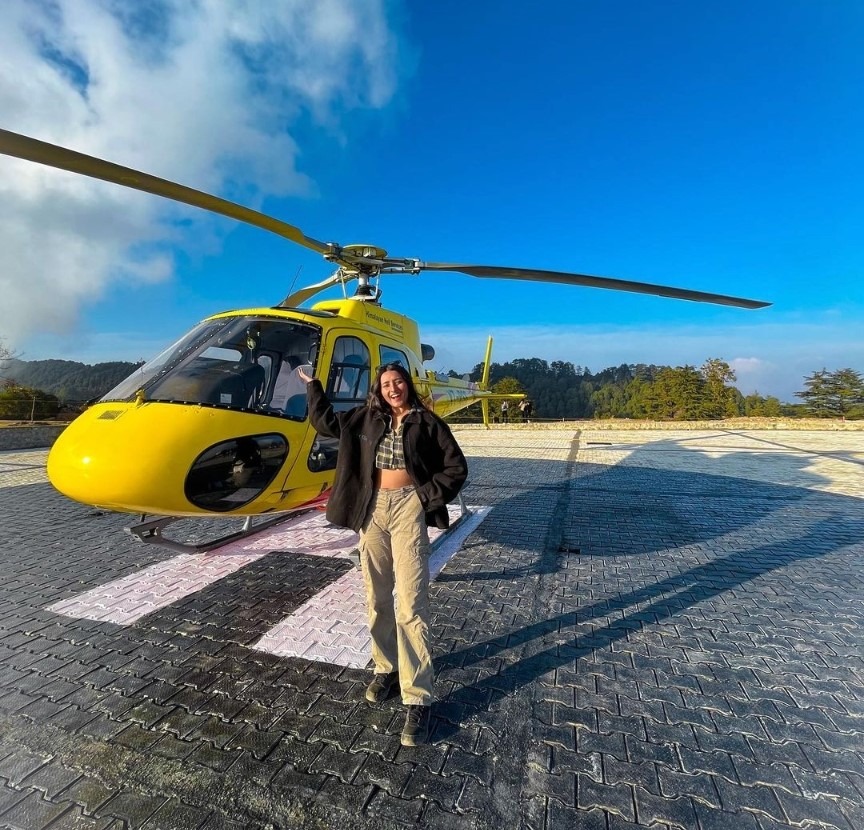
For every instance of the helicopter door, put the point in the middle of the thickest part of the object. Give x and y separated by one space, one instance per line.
347 387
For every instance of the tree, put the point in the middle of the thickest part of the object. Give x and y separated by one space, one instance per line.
676 394
833 394
639 392
772 408
720 400
562 369
817 394
755 406
21 403
609 401
562 390
68 379
793 410
847 386
5 354
507 386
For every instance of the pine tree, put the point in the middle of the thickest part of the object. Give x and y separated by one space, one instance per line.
719 399
848 390
817 394
833 394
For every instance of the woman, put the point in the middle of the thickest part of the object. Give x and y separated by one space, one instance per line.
398 468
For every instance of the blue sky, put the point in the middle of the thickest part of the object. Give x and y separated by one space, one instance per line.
714 146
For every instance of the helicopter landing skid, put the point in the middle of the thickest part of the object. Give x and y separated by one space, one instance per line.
151 532
464 513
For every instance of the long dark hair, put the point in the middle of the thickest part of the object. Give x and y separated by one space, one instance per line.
376 399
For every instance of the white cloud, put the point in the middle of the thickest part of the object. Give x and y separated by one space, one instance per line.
752 374
192 92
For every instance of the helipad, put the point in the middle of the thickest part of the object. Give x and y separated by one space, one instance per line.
646 629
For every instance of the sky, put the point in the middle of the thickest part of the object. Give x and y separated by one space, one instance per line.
712 146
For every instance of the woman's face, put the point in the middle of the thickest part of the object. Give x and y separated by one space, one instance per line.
394 390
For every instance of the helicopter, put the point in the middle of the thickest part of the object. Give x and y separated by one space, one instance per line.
217 424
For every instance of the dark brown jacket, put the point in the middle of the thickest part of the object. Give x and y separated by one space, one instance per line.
433 459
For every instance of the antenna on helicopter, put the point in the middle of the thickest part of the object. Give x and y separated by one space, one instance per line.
296 277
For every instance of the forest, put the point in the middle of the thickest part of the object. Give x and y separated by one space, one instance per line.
558 390
39 389
67 380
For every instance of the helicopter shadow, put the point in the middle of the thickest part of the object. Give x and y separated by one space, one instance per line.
850 457
627 547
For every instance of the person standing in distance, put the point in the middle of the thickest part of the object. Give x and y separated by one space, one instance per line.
398 467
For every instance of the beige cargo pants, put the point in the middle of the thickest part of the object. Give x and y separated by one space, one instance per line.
394 556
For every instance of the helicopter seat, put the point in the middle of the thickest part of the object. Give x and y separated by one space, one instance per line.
289 389
240 385
211 381
295 407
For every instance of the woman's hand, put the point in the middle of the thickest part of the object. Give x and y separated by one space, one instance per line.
303 376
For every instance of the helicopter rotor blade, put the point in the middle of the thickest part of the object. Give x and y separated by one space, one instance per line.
535 275
41 152
354 259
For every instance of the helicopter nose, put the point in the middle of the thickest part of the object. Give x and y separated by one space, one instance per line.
171 459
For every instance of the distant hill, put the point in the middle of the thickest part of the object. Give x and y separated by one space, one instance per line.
67 379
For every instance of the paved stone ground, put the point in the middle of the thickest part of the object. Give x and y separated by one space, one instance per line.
653 629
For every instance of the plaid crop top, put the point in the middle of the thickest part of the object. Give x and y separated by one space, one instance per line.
390 454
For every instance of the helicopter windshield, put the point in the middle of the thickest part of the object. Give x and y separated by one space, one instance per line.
236 362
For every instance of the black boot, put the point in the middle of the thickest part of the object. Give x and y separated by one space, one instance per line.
416 729
382 687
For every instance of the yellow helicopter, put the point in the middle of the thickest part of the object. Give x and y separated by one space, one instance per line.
217 424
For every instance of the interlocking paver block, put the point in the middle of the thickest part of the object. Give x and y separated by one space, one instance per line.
665 627
756 798
9 797
823 810
384 807
712 819
32 812
16 766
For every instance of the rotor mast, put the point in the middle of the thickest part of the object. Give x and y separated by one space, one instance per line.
362 263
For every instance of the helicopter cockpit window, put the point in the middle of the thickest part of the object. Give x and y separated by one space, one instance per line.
144 374
232 362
